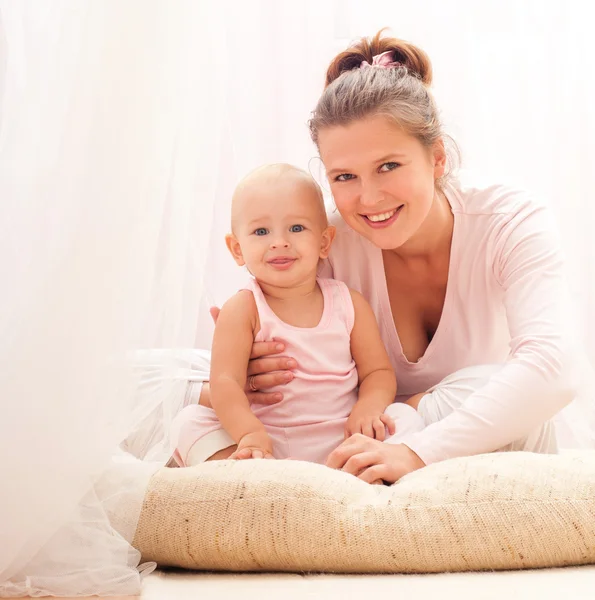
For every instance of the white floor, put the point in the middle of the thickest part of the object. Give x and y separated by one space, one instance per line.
560 584
577 583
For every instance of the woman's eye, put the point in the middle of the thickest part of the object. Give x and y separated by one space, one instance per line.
296 228
389 166
261 231
344 177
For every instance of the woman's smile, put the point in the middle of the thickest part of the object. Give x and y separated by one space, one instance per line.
381 220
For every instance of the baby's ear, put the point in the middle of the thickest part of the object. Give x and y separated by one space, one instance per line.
234 247
328 235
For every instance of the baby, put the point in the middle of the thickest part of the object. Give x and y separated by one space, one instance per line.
343 381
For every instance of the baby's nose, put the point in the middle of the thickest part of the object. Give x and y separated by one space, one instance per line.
280 243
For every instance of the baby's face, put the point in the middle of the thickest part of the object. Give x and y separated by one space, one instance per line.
280 230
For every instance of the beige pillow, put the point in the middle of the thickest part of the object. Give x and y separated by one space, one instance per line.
495 511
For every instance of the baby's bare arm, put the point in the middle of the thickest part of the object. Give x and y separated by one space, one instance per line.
232 344
377 380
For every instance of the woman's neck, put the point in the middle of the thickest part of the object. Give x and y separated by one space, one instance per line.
433 239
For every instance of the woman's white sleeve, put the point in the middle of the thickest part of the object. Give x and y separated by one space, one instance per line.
539 378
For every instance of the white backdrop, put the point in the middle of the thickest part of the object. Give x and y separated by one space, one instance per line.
123 129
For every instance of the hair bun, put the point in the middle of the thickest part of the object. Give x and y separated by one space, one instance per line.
415 59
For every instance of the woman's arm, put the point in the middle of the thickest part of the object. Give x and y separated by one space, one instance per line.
537 380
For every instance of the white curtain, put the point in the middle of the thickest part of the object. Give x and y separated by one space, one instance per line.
123 129
110 136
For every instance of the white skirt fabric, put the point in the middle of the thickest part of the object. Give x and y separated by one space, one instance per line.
182 372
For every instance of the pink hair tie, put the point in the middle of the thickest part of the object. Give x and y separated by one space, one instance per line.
384 60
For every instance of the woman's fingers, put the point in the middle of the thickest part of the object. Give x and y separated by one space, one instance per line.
390 424
361 461
268 380
340 455
266 348
264 397
374 474
371 460
259 366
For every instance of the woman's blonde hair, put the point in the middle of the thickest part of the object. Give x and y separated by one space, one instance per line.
400 92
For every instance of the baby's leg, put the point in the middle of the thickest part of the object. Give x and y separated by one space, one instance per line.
197 436
453 391
407 420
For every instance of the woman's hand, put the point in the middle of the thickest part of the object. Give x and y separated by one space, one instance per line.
264 371
373 461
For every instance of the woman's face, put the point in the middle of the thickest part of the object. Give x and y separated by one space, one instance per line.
382 179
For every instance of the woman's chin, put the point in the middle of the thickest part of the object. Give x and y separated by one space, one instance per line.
384 239
387 238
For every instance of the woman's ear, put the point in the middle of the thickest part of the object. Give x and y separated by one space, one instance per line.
328 235
234 247
439 158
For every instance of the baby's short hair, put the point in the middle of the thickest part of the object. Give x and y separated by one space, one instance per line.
280 170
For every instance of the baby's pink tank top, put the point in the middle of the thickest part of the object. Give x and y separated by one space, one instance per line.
325 380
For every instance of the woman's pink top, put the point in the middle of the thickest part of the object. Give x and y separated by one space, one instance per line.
505 303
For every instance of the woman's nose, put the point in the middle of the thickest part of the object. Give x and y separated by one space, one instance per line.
370 194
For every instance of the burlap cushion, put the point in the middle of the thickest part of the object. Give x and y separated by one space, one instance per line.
496 511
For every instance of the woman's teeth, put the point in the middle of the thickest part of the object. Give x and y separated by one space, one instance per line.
382 216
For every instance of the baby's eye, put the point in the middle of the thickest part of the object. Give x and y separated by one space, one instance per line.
344 177
296 228
261 231
389 166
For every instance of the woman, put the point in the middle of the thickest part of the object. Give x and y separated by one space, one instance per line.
466 284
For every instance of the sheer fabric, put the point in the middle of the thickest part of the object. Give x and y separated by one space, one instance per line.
109 140
116 147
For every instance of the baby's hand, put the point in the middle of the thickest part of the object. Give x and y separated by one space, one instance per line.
257 444
369 421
